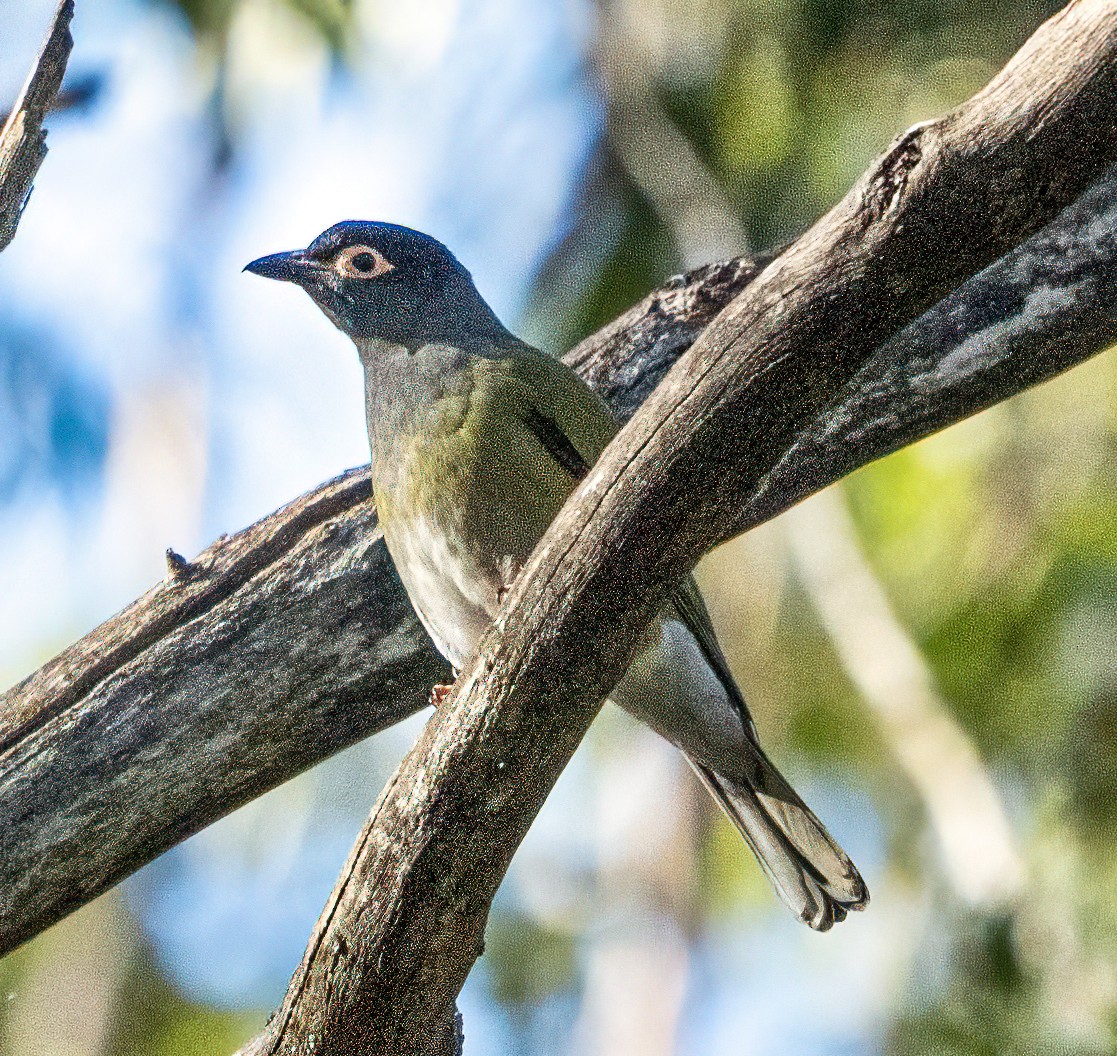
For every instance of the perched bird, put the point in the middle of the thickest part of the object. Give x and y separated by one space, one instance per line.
477 440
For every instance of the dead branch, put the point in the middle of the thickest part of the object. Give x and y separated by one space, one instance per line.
293 639
23 141
406 920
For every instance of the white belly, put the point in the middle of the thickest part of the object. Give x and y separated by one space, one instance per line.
455 595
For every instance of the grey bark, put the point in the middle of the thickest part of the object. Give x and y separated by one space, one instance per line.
406 920
22 140
292 640
270 651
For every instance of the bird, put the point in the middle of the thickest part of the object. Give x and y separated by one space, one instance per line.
477 439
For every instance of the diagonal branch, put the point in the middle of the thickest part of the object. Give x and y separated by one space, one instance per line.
23 141
269 652
406 920
291 640
964 808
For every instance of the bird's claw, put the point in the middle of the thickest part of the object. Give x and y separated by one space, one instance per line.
439 693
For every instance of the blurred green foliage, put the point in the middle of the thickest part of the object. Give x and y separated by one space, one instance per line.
535 960
211 19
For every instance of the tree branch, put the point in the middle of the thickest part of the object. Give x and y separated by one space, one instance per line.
272 650
23 141
962 803
293 639
405 922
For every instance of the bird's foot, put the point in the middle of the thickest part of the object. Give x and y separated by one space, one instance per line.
440 692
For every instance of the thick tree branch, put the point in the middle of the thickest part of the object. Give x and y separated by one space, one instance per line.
406 921
188 703
23 141
293 639
272 650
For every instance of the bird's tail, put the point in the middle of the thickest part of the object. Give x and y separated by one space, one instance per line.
810 872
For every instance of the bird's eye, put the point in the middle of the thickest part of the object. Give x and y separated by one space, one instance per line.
362 262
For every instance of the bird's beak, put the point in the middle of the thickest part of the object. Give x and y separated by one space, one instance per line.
295 266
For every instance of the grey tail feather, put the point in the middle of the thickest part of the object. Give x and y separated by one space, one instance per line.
812 875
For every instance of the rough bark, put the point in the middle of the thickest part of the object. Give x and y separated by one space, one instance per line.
291 640
274 649
406 920
270 651
23 141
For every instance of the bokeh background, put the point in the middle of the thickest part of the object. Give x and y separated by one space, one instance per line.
928 648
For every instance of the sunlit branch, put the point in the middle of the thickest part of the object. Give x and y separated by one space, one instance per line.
406 921
22 140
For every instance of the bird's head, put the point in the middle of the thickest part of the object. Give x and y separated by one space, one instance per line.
378 281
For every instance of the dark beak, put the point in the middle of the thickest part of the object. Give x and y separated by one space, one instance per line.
286 267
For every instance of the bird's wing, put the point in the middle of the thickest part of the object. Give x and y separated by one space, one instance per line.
573 425
566 416
556 443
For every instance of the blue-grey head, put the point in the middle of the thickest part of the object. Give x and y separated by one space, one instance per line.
378 281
